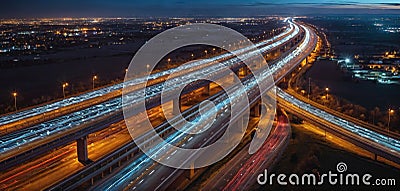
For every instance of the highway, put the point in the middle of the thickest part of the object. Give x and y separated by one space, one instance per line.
145 165
247 174
71 104
389 147
242 170
62 162
81 117
53 129
143 173
144 181
348 118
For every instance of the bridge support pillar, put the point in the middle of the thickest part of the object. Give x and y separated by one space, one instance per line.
242 72
81 146
238 73
236 128
278 53
234 79
256 110
176 107
258 65
190 173
245 71
240 125
206 90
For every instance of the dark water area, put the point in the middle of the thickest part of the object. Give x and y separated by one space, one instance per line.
365 93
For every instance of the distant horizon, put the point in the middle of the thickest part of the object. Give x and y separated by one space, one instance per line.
185 8
204 16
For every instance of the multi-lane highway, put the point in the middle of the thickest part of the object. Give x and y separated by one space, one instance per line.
375 142
145 166
240 170
142 172
342 115
63 161
32 115
246 175
15 143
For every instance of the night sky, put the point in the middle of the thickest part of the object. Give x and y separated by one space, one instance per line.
146 8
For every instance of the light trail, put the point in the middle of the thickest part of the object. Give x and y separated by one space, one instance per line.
387 142
88 115
21 115
125 176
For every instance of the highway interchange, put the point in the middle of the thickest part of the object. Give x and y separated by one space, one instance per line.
74 120
138 174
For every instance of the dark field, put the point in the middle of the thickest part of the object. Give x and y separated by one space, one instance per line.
363 35
311 151
365 93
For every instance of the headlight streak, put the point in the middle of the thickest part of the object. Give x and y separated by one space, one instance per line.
6 119
124 177
40 131
392 144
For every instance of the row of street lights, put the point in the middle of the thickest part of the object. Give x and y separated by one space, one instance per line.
64 85
390 111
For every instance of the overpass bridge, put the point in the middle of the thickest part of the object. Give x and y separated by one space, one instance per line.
285 64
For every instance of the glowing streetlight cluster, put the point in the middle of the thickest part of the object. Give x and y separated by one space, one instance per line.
93 80
390 112
14 94
327 91
63 88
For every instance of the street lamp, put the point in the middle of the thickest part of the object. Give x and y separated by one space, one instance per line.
93 79
169 60
309 88
147 66
63 88
327 90
15 100
205 51
390 111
